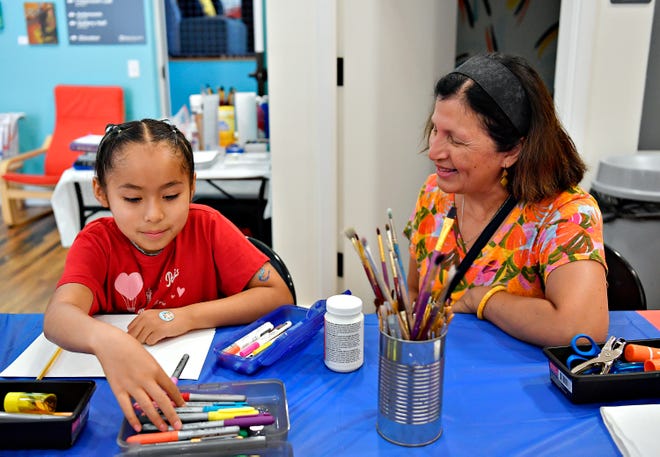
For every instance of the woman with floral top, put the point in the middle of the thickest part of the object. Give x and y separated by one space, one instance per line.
496 141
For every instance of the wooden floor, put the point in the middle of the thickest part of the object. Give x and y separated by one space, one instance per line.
31 263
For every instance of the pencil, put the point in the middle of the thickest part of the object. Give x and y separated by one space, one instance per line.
50 363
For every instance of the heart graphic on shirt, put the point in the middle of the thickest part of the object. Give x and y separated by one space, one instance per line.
129 285
180 290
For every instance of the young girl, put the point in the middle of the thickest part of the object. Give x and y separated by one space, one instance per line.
159 251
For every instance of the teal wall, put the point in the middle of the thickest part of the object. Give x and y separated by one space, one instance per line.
29 73
191 76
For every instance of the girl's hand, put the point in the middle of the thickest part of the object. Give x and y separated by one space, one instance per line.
149 328
133 374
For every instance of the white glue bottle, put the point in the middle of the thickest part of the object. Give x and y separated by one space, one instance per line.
344 333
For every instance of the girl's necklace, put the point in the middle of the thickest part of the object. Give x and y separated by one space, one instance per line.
150 254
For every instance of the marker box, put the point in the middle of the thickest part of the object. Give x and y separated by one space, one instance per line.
595 388
52 432
306 322
267 395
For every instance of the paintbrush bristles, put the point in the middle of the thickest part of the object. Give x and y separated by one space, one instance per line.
397 318
446 227
352 235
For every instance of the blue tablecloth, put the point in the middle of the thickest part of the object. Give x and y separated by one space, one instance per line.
498 398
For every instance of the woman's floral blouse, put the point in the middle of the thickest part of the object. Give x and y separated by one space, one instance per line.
532 241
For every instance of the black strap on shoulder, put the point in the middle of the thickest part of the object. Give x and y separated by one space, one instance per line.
478 245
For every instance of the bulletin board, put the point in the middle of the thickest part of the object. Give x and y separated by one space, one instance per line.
105 22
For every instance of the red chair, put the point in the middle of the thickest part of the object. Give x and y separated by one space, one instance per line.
79 111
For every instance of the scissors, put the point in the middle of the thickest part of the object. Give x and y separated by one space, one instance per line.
593 356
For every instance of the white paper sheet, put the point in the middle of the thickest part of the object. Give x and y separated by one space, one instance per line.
634 428
77 365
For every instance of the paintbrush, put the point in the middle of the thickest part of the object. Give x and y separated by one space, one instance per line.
447 224
383 263
439 307
425 293
444 231
379 280
427 281
398 274
352 235
395 244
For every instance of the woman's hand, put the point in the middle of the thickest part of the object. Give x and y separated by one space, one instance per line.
133 374
149 328
470 300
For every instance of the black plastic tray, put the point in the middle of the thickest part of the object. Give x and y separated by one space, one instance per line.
55 433
592 388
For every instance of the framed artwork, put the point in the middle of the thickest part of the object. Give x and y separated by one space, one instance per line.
41 22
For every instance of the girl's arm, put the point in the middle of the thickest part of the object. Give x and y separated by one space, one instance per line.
133 374
265 292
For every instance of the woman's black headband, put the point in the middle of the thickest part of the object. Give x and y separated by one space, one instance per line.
502 86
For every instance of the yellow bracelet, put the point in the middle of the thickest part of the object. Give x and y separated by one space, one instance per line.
484 301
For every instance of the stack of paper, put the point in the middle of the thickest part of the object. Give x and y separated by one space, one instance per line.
634 428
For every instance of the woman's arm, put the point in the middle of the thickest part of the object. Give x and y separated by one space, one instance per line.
130 370
265 292
576 302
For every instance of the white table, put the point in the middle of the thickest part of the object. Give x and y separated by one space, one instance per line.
245 175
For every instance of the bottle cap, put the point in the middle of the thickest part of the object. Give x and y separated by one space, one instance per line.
234 149
652 365
12 401
344 305
639 353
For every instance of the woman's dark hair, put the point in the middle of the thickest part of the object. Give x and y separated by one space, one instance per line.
118 136
548 162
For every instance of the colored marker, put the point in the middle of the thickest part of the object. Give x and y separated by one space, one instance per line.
272 335
20 417
224 414
251 337
179 368
241 421
268 343
261 348
175 378
206 409
216 403
248 421
180 435
192 396
640 353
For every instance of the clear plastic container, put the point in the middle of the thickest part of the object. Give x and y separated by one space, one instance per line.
267 395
